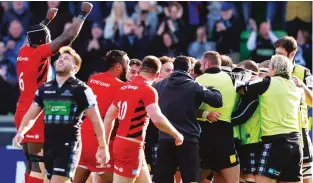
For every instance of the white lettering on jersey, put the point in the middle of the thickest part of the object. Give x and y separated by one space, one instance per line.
129 87
50 92
99 83
22 58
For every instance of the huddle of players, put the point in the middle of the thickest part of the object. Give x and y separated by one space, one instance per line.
133 101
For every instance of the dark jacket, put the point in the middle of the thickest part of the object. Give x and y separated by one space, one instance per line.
180 98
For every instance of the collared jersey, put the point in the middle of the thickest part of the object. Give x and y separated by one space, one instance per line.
64 108
105 87
33 69
131 101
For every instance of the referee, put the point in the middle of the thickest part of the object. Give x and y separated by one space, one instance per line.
64 101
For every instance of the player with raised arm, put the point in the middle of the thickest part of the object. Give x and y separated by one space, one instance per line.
64 101
33 69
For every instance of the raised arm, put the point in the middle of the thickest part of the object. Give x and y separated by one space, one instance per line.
52 12
70 34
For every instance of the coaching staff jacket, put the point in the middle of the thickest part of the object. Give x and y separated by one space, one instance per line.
180 98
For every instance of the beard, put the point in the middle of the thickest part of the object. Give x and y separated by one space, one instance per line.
123 75
63 71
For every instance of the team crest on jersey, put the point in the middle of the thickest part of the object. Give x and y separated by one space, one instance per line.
66 93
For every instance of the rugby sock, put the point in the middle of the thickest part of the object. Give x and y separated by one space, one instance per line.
34 180
26 175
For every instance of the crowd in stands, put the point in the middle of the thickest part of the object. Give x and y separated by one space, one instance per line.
240 30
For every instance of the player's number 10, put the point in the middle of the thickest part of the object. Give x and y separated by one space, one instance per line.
122 110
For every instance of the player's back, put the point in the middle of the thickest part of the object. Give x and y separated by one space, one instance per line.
33 70
105 86
131 101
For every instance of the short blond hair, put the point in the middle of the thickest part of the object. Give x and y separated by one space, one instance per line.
281 64
72 52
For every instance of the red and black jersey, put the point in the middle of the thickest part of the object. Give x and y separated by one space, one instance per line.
105 87
33 70
131 101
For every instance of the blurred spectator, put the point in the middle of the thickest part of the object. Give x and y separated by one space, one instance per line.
147 18
134 43
227 33
261 45
214 14
14 40
201 45
274 7
93 51
299 16
173 23
114 23
246 7
56 26
8 83
304 53
134 65
167 47
18 12
194 15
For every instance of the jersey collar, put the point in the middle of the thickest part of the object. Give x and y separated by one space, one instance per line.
213 70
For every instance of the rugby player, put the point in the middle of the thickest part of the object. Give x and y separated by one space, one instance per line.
130 164
104 85
134 65
64 102
33 69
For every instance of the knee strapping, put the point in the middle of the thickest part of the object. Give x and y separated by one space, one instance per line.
35 158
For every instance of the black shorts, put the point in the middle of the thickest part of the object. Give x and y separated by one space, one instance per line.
62 160
217 147
281 160
249 156
307 146
170 156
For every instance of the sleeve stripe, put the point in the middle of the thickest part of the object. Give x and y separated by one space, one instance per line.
91 99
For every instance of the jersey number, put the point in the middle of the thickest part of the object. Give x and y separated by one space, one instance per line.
21 82
122 110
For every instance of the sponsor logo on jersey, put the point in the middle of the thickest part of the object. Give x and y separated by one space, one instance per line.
99 83
22 58
49 92
36 136
129 87
48 85
66 93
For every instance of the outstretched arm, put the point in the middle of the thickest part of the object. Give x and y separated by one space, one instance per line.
70 34
52 12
